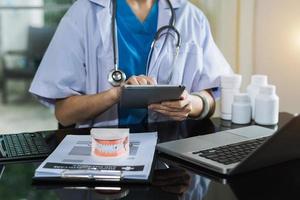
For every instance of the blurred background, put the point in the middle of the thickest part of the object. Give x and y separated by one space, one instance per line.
26 28
256 37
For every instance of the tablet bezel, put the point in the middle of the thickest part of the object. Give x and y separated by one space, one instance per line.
149 94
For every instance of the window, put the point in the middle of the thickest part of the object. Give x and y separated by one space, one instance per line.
17 15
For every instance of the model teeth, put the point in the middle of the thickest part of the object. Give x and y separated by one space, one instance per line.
109 148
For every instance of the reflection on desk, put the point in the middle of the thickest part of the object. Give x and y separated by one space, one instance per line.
177 182
181 182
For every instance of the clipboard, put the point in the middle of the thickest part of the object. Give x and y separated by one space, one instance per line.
66 165
140 96
107 178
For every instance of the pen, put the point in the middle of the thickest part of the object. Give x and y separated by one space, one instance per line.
101 175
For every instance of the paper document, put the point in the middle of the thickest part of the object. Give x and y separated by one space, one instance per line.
73 156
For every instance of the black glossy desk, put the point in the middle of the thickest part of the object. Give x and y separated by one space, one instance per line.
180 181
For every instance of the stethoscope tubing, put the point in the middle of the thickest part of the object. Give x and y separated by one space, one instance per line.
160 32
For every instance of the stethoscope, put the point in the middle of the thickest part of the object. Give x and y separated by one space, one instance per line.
116 77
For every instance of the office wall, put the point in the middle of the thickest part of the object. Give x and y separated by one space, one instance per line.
232 24
260 37
223 18
277 48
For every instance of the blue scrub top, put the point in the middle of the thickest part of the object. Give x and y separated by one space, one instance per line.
134 44
80 56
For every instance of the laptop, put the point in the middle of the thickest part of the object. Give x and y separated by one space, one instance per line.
239 150
22 147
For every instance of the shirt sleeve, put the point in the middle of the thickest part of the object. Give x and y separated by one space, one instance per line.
214 63
62 71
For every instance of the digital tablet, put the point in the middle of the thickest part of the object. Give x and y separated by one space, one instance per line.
140 96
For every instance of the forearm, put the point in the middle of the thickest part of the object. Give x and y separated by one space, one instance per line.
78 109
197 104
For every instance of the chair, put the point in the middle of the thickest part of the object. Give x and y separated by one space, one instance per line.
38 41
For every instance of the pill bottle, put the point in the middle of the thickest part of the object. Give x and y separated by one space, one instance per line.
241 109
257 81
267 106
230 85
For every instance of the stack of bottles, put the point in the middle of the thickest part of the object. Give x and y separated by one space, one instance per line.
260 102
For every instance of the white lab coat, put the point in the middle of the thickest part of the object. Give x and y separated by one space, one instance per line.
80 55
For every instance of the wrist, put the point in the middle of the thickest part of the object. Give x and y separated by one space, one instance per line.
196 106
115 94
207 105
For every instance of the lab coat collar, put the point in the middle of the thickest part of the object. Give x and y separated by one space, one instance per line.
103 3
175 3
163 3
164 13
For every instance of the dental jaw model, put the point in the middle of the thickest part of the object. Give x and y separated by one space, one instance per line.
110 143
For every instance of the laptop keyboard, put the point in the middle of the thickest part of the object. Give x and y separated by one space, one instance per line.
232 153
24 145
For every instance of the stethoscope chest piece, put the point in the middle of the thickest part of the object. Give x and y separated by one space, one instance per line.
116 77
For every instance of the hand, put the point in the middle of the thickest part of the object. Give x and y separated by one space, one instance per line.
176 110
134 80
140 80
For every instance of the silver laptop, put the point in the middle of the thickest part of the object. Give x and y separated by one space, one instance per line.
239 150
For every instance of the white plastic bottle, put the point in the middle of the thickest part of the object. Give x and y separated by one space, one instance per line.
241 109
257 81
267 106
230 85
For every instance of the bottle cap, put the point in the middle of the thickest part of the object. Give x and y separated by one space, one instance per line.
259 80
267 90
231 81
242 98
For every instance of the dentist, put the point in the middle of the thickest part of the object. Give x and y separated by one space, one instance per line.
100 45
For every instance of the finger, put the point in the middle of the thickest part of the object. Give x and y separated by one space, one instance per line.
157 107
177 116
150 80
172 113
186 109
184 95
153 105
142 80
132 81
179 105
